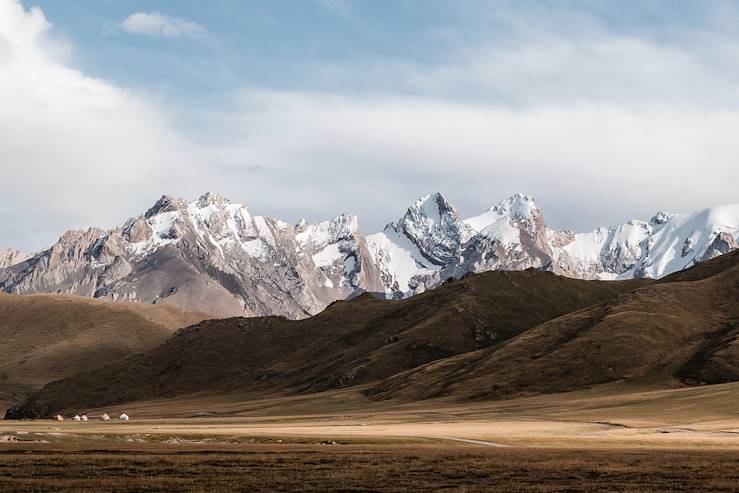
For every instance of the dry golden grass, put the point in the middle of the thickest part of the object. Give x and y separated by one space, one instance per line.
603 439
46 337
360 468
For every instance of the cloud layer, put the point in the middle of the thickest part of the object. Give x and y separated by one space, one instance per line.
601 128
154 23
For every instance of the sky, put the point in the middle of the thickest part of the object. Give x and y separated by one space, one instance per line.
603 110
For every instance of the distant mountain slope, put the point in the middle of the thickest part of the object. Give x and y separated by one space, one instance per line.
214 256
684 329
431 242
46 337
351 342
11 256
207 255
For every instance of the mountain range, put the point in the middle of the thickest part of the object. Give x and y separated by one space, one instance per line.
489 336
215 257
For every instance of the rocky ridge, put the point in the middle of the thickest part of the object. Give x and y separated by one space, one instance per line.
216 257
11 256
207 255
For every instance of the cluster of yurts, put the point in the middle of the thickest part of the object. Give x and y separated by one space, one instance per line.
104 417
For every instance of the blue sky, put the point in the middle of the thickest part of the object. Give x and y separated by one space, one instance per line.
293 44
604 110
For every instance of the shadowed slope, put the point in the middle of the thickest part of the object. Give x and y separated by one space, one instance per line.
47 337
351 342
681 330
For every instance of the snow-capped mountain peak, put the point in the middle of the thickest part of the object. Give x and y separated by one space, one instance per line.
209 255
434 226
212 199
11 256
518 206
215 256
660 218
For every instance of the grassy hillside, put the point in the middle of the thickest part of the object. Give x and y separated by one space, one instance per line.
352 342
682 330
47 337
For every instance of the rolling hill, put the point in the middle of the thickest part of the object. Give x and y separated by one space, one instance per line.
47 337
681 330
352 342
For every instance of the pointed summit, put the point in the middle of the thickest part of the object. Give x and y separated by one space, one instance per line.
519 206
429 211
660 217
433 224
11 256
166 203
211 198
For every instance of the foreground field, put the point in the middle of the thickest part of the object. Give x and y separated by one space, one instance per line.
391 468
605 439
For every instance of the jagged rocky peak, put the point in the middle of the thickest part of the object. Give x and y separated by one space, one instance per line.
434 226
11 256
722 243
521 209
512 221
211 198
343 226
301 225
166 204
430 210
660 218
518 206
212 255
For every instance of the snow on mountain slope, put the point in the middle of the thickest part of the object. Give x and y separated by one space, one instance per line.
513 235
403 267
686 239
665 244
216 257
410 252
209 255
432 243
11 256
497 222
604 253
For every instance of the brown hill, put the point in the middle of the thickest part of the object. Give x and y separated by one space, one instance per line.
682 330
358 341
47 337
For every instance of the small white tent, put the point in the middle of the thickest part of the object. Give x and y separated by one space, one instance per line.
123 417
77 417
105 417
84 417
59 417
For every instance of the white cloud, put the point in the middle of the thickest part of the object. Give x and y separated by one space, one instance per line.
600 130
71 146
587 163
154 23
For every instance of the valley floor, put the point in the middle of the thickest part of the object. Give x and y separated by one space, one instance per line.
608 438
361 468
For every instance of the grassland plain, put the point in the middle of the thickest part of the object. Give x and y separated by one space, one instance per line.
603 439
361 468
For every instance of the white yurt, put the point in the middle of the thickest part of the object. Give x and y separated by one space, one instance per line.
84 417
105 417
59 417
123 417
77 417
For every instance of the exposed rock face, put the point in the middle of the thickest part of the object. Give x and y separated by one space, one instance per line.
208 255
11 256
722 243
513 235
214 256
